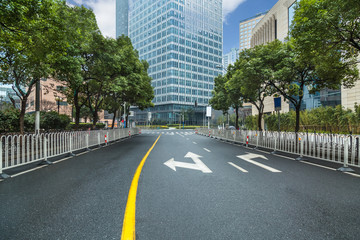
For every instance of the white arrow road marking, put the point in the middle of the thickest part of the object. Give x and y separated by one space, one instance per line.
236 166
207 150
194 143
198 165
248 157
254 155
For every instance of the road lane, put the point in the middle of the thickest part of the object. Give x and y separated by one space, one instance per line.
81 198
301 202
84 197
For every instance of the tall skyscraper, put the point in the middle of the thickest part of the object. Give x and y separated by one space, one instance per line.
122 17
182 42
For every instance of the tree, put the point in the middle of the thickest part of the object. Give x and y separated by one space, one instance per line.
31 38
293 71
81 29
220 99
322 25
252 77
235 97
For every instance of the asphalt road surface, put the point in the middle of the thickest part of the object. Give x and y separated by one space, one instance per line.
190 187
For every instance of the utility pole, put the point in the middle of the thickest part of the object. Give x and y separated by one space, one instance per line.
125 115
37 107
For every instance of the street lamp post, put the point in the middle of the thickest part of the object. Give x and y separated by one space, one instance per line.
58 100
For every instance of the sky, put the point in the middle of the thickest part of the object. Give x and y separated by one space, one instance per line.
233 12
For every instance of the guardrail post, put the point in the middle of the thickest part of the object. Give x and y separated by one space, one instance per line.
70 146
346 168
45 161
274 152
257 140
87 142
2 175
301 150
99 143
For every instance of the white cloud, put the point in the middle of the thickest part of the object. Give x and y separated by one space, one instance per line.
229 6
105 14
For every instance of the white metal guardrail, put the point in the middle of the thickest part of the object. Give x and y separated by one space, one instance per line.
330 147
18 150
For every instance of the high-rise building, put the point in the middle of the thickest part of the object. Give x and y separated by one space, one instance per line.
8 95
245 28
122 17
230 58
182 42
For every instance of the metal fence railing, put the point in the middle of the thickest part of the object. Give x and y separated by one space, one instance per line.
330 147
17 150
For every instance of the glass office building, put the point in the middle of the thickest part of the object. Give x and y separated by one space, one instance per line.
122 17
7 93
182 42
230 58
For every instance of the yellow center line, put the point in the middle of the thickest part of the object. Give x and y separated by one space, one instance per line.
128 230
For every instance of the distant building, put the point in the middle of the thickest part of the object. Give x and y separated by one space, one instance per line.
51 99
275 25
182 42
230 58
8 95
245 28
122 17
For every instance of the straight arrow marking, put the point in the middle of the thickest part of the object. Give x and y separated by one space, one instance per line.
247 158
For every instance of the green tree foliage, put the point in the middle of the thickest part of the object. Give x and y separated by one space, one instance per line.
31 39
253 78
220 100
81 28
113 75
325 35
235 97
323 25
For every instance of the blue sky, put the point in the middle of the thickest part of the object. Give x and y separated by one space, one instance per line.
246 9
234 11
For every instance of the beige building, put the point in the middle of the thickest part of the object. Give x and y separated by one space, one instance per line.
245 28
273 25
51 99
351 96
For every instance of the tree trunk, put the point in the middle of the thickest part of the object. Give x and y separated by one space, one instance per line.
297 123
95 119
22 114
260 109
113 122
